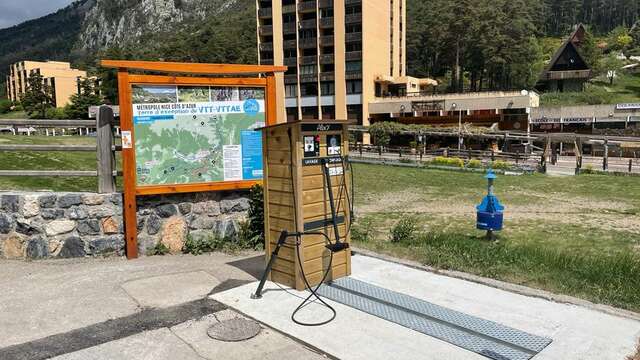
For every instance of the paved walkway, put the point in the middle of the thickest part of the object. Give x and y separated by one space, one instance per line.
577 332
151 308
160 308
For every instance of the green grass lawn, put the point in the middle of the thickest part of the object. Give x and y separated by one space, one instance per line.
578 236
14 115
50 160
625 89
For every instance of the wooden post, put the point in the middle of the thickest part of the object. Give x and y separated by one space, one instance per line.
517 157
105 154
630 164
360 145
128 167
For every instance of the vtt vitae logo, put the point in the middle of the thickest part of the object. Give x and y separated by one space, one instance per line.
251 107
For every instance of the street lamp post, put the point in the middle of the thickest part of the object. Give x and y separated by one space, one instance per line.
455 106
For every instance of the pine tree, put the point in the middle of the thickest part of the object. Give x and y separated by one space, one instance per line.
37 98
78 107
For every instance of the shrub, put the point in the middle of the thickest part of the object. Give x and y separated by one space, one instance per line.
159 249
362 231
500 165
5 106
445 161
404 231
201 245
247 239
474 164
55 113
588 169
254 231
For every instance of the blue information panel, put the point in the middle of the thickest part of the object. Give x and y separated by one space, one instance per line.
251 155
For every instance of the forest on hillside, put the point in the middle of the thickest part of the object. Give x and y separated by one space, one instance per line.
504 44
468 44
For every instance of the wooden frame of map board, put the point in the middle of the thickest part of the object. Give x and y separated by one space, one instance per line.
125 83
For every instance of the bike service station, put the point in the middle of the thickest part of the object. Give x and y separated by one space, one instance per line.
308 286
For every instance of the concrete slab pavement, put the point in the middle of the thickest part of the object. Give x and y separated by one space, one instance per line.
170 290
189 341
44 298
577 332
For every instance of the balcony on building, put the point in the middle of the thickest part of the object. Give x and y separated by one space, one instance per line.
266 46
326 41
308 60
288 9
290 61
291 79
353 18
325 4
352 2
307 6
289 44
327 76
326 23
308 24
308 78
265 13
568 74
289 28
308 43
353 75
266 30
327 59
353 37
353 55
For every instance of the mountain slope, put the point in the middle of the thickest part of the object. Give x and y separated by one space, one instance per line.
49 37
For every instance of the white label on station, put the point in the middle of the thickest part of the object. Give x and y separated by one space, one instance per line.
336 171
127 142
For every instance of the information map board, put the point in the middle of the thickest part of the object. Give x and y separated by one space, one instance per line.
197 134
192 132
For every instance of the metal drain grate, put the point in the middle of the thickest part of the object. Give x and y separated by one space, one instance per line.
481 336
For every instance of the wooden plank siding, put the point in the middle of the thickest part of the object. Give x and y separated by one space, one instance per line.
286 177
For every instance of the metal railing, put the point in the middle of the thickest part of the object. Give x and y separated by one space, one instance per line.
105 148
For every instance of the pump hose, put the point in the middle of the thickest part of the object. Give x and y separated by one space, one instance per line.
313 290
298 244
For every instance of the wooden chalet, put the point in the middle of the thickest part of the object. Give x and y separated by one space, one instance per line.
567 70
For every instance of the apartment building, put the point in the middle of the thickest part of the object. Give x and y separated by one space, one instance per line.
62 79
336 50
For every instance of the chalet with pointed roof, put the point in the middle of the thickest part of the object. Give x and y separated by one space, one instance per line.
567 70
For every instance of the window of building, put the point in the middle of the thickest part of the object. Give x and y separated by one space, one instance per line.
309 89
327 68
354 112
326 13
353 65
350 10
353 28
307 69
355 46
327 88
310 112
288 18
354 87
291 91
292 114
328 112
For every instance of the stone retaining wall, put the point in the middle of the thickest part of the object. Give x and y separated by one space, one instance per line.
66 225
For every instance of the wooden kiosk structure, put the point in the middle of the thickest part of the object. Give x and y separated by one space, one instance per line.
297 199
185 75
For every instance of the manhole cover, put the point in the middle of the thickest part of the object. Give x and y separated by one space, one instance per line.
234 330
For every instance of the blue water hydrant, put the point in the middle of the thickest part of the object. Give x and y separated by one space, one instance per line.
490 211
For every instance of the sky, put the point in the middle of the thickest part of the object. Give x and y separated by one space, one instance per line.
13 12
